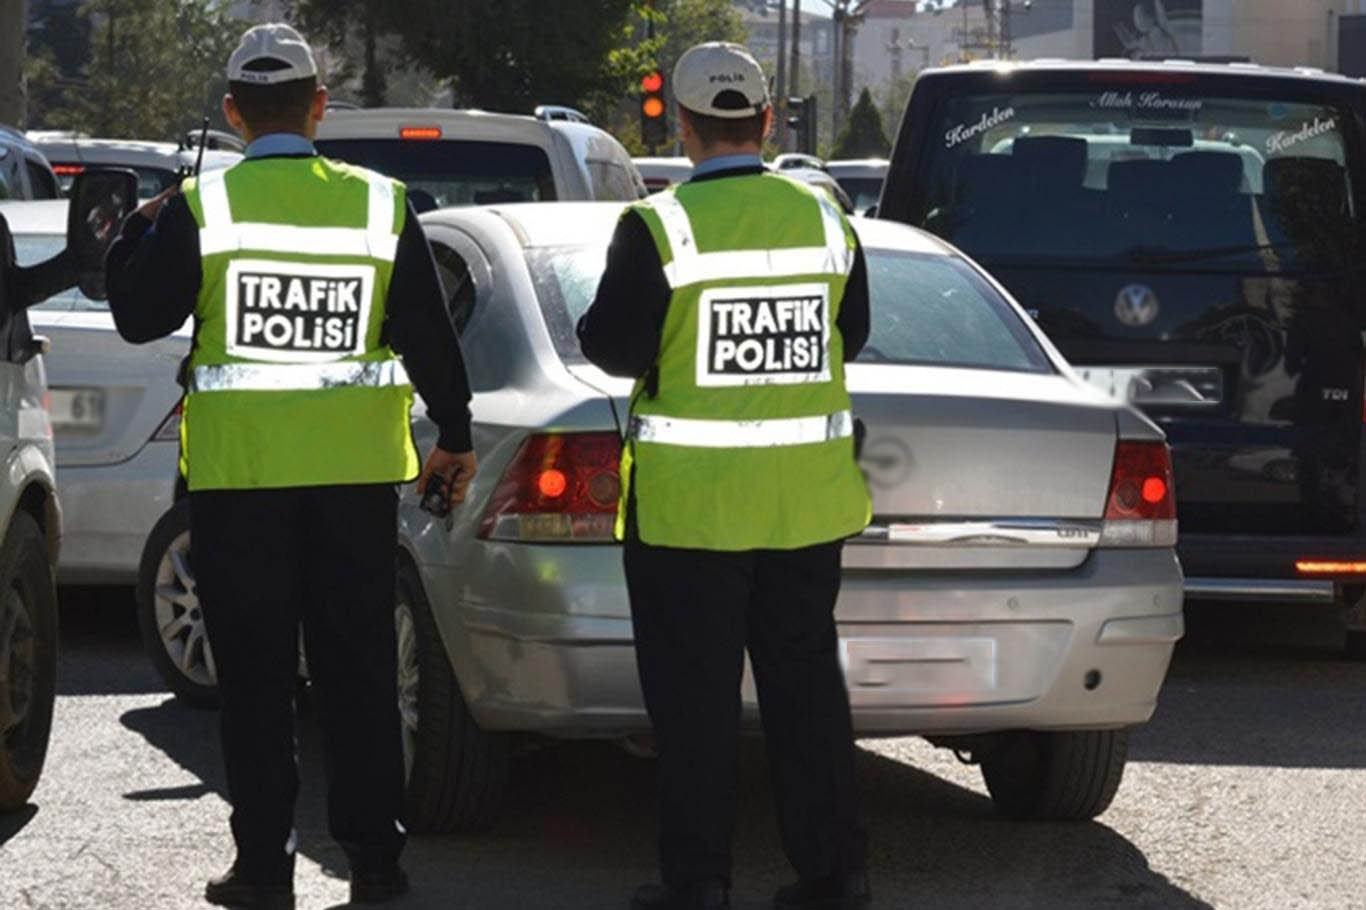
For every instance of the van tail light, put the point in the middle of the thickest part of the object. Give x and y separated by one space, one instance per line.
1141 508
559 488
169 431
427 133
68 170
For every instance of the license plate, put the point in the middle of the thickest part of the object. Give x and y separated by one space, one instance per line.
1164 386
77 409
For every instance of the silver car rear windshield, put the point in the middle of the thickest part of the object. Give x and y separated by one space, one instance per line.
1153 176
926 309
31 249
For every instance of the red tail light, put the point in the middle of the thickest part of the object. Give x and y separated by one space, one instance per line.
1141 508
68 170
419 132
560 487
169 431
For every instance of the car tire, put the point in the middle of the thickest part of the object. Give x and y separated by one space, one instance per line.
1058 776
457 772
169 615
28 658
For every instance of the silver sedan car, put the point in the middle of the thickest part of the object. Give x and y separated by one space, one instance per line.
1017 597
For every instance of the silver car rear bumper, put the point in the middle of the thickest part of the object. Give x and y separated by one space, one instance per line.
540 638
110 510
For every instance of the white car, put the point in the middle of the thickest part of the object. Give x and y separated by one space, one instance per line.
862 179
159 165
662 173
24 172
32 532
451 157
115 415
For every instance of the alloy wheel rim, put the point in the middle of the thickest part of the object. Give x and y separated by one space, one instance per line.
179 618
408 680
18 663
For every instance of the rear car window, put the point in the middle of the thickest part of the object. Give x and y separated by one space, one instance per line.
453 172
31 249
926 309
1150 176
152 181
41 183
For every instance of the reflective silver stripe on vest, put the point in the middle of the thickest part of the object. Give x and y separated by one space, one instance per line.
295 377
220 234
741 434
689 266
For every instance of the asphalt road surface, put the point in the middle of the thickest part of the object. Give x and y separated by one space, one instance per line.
1246 791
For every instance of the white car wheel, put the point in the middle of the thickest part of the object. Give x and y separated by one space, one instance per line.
172 622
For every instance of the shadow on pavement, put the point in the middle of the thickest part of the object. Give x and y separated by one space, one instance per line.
15 822
101 651
578 832
1259 685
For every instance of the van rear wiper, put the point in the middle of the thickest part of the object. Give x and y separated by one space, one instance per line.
1151 255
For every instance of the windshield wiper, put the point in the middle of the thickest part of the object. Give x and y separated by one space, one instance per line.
1152 255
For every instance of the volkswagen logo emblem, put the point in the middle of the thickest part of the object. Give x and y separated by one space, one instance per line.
1136 305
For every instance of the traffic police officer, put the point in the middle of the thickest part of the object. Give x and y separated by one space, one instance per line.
735 300
304 277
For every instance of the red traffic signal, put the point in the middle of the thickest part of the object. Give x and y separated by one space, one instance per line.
652 83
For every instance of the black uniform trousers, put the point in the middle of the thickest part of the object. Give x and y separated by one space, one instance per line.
266 562
695 612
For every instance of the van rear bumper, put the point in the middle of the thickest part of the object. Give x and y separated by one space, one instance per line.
1246 567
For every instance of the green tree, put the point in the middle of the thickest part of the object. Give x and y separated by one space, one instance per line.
863 135
155 68
354 32
510 55
58 48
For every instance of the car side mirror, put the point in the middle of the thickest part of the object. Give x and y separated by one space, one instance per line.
100 199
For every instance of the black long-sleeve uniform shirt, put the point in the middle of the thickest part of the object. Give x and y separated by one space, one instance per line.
621 331
153 275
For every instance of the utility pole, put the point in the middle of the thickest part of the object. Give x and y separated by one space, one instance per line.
13 98
781 94
794 73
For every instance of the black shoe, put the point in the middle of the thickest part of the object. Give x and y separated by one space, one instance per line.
233 889
842 891
708 895
378 886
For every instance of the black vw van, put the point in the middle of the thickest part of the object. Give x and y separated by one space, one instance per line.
1191 237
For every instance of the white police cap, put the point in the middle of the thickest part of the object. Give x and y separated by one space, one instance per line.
721 79
271 53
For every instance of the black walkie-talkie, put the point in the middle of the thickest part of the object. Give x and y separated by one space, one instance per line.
203 141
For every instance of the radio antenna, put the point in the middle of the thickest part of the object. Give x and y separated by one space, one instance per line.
203 141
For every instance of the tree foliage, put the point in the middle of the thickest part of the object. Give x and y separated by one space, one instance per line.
863 135
511 55
155 67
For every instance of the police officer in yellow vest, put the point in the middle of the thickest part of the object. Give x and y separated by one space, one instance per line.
305 277
735 300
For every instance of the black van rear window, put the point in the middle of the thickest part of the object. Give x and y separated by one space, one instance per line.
453 172
1141 177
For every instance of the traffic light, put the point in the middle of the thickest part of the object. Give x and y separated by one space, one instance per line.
801 119
654 120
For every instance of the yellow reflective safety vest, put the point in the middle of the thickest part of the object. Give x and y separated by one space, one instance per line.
289 383
748 442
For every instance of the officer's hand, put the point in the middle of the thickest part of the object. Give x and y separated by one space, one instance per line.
458 468
152 207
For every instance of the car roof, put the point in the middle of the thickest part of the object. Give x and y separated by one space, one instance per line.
1123 66
385 122
136 152
542 224
42 216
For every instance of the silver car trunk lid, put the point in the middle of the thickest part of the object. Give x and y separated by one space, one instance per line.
123 392
980 469
971 469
